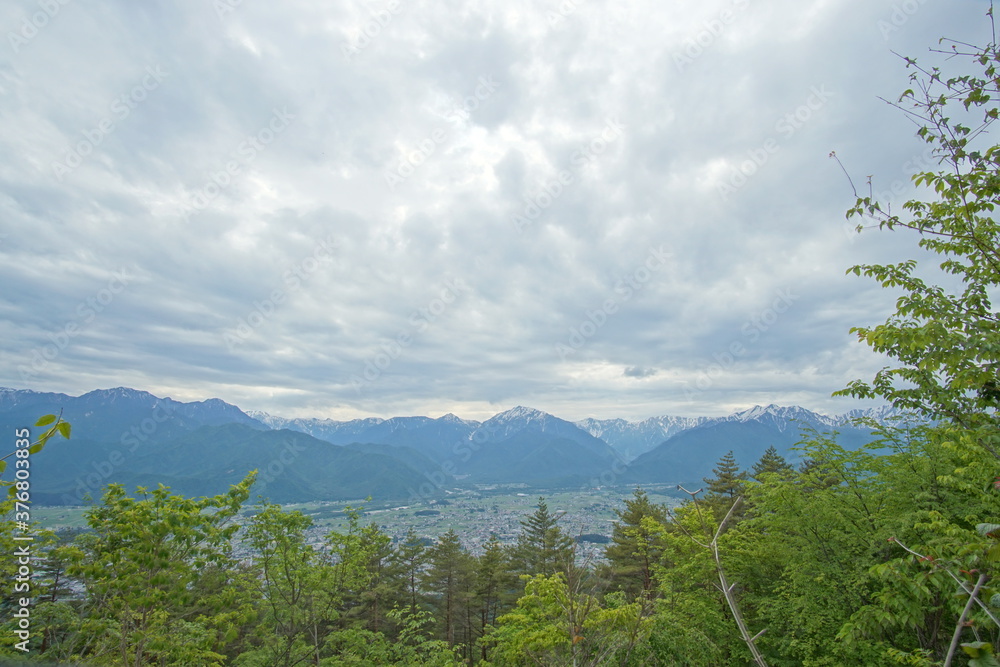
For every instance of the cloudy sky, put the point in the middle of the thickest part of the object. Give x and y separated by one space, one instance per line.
394 207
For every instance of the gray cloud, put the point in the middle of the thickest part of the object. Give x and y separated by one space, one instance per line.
606 130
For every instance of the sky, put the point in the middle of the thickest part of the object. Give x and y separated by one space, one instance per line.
404 207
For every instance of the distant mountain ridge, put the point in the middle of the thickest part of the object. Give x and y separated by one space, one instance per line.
633 439
133 437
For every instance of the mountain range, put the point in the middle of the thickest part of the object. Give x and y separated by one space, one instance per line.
134 438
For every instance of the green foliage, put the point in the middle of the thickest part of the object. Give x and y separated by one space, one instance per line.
449 580
372 649
542 546
691 624
634 550
142 565
292 587
58 427
725 487
555 624
981 654
945 339
771 462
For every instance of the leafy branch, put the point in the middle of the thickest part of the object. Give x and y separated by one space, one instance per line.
723 585
58 427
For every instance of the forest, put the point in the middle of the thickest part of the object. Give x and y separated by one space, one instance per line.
887 555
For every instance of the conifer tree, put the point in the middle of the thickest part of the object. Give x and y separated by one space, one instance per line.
448 580
408 561
635 551
495 588
542 546
728 482
771 462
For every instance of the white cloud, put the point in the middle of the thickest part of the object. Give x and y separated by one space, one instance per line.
417 92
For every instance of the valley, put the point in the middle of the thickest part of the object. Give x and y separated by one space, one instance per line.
474 514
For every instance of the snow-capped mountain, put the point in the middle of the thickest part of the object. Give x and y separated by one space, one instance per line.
782 417
634 438
630 439
330 430
884 414
508 422
118 432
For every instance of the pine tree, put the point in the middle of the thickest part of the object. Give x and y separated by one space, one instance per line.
495 588
723 489
449 580
728 482
771 462
408 561
634 550
542 546
373 598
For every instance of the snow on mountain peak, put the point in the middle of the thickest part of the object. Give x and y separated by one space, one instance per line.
781 414
518 413
120 393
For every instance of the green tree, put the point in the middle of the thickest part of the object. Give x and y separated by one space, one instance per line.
15 512
728 482
771 462
494 589
292 588
408 561
449 581
634 550
725 488
371 602
690 625
542 546
554 623
945 338
142 564
364 648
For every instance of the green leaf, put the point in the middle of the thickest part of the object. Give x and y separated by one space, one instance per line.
3 466
46 420
64 429
37 447
982 652
987 529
